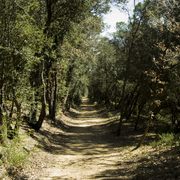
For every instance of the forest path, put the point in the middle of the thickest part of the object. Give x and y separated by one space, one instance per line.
84 147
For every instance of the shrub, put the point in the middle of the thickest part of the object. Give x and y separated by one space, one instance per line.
167 139
13 155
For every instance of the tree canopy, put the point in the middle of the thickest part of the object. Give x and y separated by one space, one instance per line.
52 54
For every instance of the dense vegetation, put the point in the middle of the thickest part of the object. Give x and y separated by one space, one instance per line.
52 54
137 72
42 43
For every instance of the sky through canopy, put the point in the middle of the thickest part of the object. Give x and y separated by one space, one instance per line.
116 15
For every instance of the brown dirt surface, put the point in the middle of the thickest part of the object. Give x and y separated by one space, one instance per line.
82 145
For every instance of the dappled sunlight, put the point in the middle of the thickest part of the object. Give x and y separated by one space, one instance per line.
92 107
84 167
86 118
83 143
87 121
79 146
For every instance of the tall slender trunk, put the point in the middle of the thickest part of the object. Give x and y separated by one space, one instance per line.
1 91
65 100
66 103
151 117
1 115
53 98
49 95
1 100
1 105
34 107
12 108
130 51
140 108
132 106
42 116
130 102
18 118
134 4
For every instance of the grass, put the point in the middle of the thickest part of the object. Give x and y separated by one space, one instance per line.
13 154
167 139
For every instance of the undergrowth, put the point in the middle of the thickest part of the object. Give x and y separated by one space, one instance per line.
167 139
13 155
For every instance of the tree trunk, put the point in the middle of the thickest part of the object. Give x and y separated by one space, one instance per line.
18 118
1 113
151 117
65 101
140 108
1 106
132 107
12 108
120 126
34 107
53 99
1 92
42 116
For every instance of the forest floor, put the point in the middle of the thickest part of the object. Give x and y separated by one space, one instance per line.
83 145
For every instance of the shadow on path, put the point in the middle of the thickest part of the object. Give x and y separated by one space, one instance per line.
82 145
86 131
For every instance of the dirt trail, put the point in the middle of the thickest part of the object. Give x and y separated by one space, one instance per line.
84 147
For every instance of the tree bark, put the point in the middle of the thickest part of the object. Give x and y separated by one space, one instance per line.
18 118
42 116
151 117
140 108
1 105
53 99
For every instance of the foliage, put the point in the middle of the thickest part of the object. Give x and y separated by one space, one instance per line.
44 52
13 155
144 67
52 54
166 140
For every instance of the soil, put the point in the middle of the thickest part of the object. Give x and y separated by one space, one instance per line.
83 145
